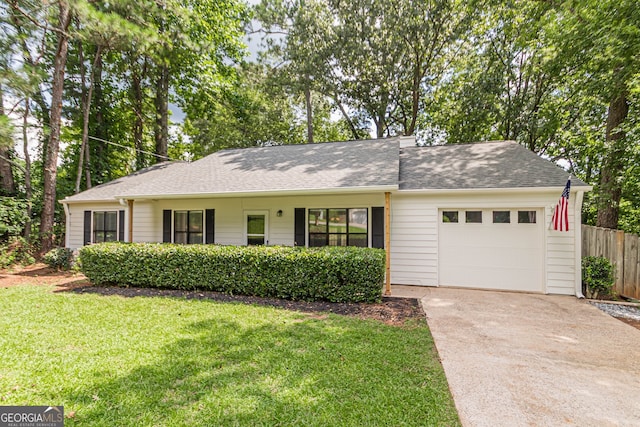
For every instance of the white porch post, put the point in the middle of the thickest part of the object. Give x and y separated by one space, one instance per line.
387 240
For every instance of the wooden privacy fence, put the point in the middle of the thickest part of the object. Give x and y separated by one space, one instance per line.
622 250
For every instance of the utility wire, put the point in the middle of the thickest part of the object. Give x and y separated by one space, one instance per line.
108 142
131 148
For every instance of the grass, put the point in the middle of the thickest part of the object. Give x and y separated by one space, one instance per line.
161 361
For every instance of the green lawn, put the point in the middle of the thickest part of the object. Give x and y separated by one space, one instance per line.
162 361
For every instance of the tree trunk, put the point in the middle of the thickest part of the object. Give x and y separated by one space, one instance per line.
83 103
352 127
380 115
37 95
307 99
610 190
162 114
100 172
51 154
138 109
415 100
100 126
8 184
27 168
379 121
86 109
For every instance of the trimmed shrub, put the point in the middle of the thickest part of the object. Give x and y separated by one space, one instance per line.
597 276
59 258
336 274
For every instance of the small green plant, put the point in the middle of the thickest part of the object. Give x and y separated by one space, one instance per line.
59 258
17 250
597 276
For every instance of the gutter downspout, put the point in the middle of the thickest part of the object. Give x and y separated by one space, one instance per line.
130 204
578 243
67 224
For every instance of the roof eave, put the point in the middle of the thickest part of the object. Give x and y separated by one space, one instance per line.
574 189
73 202
262 193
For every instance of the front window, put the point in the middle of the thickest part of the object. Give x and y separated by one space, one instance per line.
188 227
105 226
338 227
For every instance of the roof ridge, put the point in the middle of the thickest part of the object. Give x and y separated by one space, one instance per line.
466 144
306 144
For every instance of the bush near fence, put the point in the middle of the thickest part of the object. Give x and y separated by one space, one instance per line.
336 274
622 249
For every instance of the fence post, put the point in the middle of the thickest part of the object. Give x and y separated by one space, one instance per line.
619 262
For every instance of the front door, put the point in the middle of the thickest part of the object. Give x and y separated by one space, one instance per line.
256 227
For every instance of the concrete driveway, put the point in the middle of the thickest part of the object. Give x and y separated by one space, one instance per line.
521 359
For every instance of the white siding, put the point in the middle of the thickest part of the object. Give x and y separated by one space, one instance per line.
146 222
414 241
229 215
75 220
561 253
414 235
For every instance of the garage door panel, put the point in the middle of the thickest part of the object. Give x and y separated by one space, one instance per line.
492 278
492 256
507 258
484 237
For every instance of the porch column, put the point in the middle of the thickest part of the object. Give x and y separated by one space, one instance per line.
387 240
130 204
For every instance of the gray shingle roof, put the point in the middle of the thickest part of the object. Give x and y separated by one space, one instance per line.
504 164
338 166
326 166
109 190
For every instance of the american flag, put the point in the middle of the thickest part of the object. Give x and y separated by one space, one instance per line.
560 219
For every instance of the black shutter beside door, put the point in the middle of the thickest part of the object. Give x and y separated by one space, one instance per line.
166 226
210 221
87 227
377 227
121 226
299 227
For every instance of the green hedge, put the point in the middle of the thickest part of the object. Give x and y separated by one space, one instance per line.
336 274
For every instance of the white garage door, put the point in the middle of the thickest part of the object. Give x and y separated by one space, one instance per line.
491 249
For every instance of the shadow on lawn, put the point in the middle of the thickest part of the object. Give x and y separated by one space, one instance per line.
292 371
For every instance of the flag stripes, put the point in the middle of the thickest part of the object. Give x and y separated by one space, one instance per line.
560 219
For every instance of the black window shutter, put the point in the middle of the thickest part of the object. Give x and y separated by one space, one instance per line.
299 226
87 227
377 227
209 219
166 226
121 226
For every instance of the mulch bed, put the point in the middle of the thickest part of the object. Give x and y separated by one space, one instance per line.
393 311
